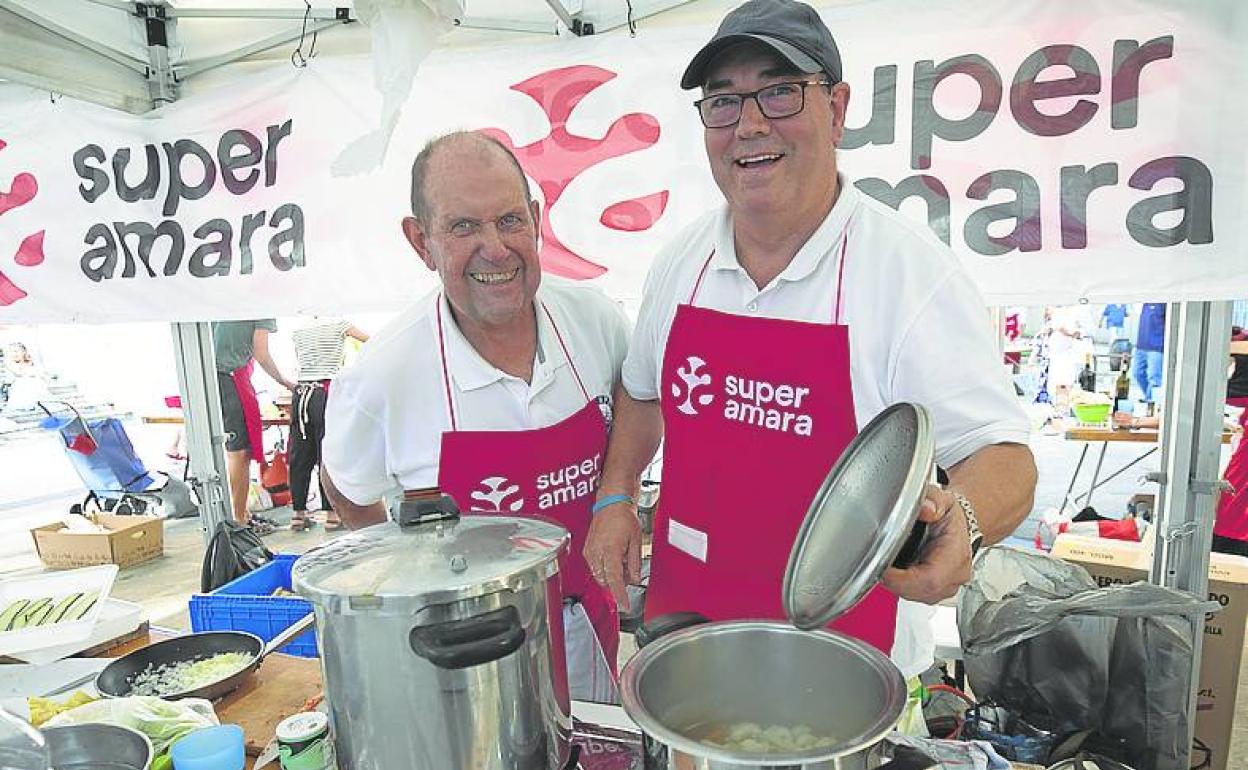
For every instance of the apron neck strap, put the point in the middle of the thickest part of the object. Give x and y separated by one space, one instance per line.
840 277
840 280
446 373
566 354
701 274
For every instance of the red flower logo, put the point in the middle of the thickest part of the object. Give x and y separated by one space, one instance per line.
22 190
558 158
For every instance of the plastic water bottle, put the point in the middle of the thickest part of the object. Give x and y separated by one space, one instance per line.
21 746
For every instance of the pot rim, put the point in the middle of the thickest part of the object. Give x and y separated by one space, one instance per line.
635 708
109 726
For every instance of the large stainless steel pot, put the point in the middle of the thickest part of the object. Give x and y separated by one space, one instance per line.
688 684
441 642
683 684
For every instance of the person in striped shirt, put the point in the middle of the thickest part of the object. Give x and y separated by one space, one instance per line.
319 347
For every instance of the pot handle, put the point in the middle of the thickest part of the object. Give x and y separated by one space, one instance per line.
912 549
663 625
462 643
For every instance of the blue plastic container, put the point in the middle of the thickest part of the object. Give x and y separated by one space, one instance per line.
212 748
247 604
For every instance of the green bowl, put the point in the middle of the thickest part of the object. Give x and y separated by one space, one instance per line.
1092 414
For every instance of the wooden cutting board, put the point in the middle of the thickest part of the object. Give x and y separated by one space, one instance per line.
278 689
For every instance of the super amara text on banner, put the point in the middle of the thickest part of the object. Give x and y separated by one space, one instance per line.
236 163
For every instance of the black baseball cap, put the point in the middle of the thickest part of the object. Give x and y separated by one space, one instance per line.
791 29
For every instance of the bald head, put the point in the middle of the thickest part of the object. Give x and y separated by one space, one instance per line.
443 156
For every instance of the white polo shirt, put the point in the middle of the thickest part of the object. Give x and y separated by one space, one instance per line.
918 332
386 413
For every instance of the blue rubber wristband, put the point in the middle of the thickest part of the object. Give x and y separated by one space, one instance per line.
610 500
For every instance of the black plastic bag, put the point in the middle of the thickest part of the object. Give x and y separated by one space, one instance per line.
233 551
1041 639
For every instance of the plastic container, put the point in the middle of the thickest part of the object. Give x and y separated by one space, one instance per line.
212 748
57 585
247 604
1092 414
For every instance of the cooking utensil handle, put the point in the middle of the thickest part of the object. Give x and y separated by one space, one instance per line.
287 636
912 550
71 685
665 624
471 642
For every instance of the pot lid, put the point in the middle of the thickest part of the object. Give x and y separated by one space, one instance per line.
436 560
861 516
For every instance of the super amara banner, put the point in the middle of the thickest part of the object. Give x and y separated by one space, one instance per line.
1066 152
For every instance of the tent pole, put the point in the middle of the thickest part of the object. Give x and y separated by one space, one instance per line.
1197 349
161 83
205 433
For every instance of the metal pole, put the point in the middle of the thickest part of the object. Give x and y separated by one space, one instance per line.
161 82
205 433
1197 343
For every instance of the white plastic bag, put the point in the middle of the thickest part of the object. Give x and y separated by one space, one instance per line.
162 721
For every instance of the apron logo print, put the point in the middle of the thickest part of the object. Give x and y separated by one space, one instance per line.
494 493
693 381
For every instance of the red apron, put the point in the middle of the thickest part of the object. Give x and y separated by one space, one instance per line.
251 409
549 472
755 413
1231 519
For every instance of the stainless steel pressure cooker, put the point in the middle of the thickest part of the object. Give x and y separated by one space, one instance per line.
441 641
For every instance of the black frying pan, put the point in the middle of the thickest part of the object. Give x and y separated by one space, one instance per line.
117 678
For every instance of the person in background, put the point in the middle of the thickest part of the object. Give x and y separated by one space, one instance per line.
1230 526
238 346
1149 365
1114 319
319 348
1069 346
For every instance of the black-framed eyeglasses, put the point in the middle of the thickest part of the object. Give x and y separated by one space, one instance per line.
778 100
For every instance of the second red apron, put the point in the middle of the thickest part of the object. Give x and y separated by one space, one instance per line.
1231 519
755 413
550 472
251 409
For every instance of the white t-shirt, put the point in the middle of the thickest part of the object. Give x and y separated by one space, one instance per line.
387 412
918 331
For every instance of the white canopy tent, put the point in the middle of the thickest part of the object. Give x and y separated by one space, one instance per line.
136 56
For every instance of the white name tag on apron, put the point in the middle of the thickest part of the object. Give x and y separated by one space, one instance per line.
687 539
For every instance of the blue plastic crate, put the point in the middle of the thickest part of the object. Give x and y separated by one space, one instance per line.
247 604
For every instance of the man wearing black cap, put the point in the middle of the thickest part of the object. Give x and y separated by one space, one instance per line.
776 326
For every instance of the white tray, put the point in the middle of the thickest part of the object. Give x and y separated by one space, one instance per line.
87 579
118 618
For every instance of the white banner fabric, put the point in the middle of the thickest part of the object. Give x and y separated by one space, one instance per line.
1086 152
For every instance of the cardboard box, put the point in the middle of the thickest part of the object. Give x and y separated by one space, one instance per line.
1117 561
130 540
